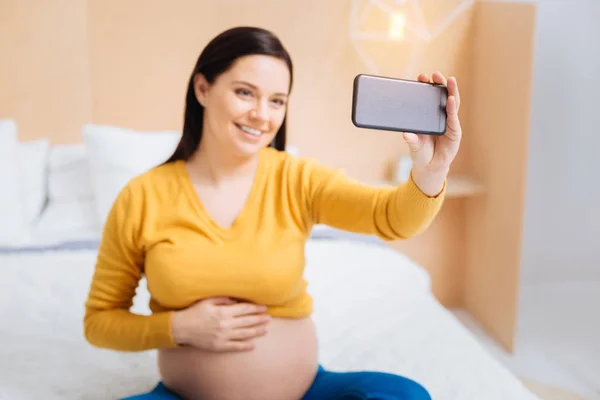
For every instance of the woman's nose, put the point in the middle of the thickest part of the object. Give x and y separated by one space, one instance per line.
260 111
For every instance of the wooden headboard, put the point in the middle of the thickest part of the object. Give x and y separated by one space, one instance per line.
126 63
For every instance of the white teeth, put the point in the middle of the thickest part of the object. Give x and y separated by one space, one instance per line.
250 130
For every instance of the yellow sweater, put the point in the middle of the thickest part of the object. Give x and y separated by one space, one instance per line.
157 227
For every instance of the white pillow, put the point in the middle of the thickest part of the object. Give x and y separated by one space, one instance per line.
69 174
66 221
116 155
33 158
12 213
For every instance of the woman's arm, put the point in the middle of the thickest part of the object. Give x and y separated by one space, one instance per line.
108 323
391 213
400 212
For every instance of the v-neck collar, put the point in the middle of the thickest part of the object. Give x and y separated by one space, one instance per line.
248 207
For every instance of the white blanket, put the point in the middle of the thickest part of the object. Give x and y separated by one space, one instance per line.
373 310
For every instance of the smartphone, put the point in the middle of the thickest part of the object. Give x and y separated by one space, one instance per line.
399 105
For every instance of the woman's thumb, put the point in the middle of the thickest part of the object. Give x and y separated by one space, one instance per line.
412 140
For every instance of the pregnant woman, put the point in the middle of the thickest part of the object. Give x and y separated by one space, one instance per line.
219 232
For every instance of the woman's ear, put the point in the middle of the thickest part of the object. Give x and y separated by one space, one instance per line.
201 89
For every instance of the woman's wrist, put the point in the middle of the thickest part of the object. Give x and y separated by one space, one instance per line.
178 329
430 182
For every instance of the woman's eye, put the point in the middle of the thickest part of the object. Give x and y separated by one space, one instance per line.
243 92
279 102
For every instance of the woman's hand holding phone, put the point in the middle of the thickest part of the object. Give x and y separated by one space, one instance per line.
432 155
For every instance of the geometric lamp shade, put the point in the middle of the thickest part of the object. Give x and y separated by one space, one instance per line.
400 26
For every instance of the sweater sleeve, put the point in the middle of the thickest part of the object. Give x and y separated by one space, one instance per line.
389 212
108 322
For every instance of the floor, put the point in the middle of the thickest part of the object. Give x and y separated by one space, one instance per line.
546 392
558 338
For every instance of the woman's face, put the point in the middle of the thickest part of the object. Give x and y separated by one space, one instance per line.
245 106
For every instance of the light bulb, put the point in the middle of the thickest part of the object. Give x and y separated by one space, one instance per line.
397 24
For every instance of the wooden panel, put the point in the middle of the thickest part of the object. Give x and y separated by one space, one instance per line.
499 98
44 73
440 250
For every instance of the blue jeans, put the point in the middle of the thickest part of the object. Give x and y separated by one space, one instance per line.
328 385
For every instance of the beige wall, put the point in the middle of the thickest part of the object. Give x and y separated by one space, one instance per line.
127 63
145 50
45 68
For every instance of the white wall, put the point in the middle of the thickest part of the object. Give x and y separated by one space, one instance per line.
562 214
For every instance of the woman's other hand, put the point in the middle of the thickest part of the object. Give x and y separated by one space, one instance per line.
432 155
220 324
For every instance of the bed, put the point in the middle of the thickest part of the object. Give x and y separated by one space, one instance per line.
397 327
63 193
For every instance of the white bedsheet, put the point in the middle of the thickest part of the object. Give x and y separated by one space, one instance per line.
373 310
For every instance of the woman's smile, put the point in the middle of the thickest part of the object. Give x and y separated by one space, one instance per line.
249 132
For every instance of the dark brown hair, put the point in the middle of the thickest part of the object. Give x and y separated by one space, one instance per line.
216 58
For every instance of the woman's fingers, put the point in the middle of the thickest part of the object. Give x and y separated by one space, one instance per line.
453 123
236 345
247 333
247 321
453 91
423 78
439 78
240 309
416 142
451 84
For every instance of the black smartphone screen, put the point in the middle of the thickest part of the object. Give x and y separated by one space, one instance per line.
399 105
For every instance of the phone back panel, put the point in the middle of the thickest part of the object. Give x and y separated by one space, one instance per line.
399 105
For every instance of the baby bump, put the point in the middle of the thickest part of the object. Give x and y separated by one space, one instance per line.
281 366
